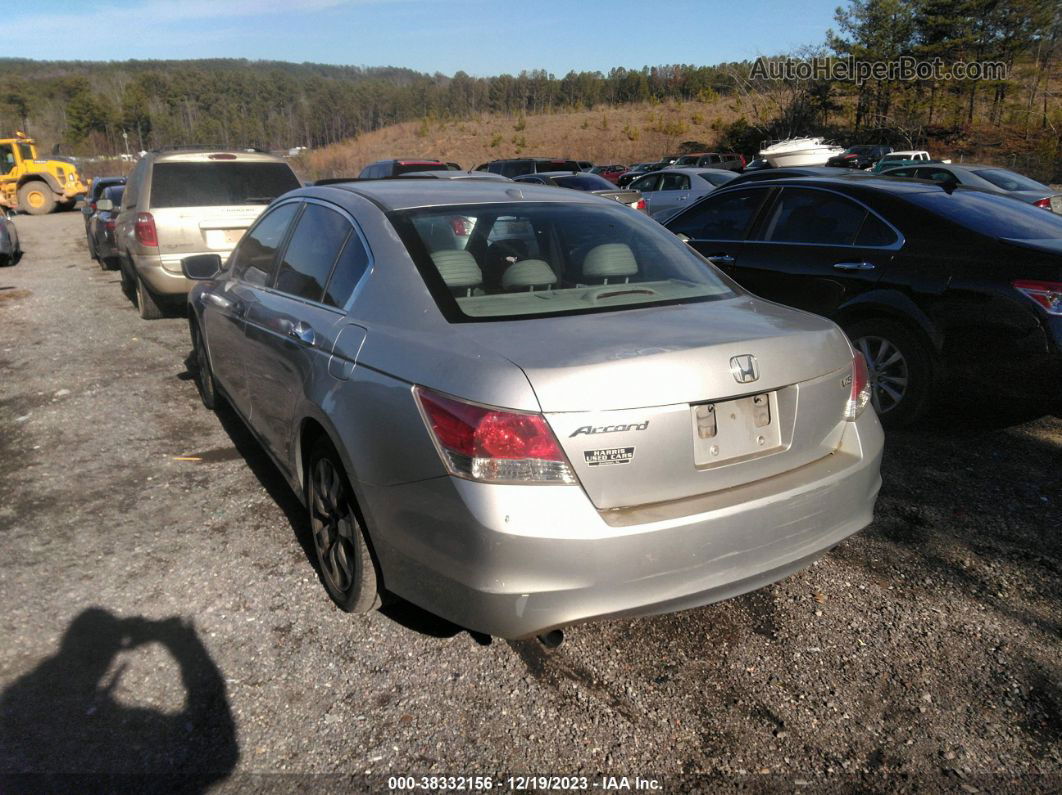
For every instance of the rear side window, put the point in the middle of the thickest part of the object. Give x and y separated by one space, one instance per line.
219 184
254 259
308 259
812 216
674 182
350 267
406 168
725 217
1008 180
646 184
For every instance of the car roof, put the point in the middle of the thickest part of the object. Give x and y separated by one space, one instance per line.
854 181
202 155
404 194
451 174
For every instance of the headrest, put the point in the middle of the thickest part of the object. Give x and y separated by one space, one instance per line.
610 259
528 273
457 268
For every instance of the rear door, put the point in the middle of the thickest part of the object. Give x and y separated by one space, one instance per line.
814 249
251 265
292 325
672 193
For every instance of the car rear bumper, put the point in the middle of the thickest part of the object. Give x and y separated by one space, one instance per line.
515 561
163 279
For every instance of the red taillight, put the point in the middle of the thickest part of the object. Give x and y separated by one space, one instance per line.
640 205
743 163
1047 294
859 395
496 445
109 225
1044 203
145 230
92 206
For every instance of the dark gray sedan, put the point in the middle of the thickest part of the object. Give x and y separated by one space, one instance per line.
558 414
592 183
990 178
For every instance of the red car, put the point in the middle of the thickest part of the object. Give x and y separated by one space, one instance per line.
611 173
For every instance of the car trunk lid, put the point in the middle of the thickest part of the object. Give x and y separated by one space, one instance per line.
663 403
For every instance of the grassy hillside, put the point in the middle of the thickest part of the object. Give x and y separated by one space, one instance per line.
638 132
622 134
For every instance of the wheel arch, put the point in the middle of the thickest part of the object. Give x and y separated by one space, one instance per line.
40 176
894 306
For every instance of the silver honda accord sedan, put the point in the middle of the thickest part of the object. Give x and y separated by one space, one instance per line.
521 408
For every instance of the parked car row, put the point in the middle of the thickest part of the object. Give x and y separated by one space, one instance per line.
520 403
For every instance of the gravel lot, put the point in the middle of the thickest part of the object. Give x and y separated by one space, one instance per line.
162 615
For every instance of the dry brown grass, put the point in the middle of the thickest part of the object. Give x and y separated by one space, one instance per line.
618 134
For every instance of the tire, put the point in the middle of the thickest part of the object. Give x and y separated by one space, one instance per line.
35 198
343 557
146 302
204 371
902 370
109 263
128 283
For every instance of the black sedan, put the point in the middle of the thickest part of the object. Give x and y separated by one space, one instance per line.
861 156
935 286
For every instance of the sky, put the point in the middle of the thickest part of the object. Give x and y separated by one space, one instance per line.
481 37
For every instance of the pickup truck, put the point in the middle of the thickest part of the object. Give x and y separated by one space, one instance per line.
909 157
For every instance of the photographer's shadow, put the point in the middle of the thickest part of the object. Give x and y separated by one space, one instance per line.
62 721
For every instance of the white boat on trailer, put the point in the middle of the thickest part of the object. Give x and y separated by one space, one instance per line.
799 152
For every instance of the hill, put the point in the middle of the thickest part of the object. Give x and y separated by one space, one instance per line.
604 134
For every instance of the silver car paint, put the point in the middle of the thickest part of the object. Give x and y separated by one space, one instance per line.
514 560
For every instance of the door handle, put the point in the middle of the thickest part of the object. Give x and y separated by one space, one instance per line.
302 332
854 266
232 306
720 259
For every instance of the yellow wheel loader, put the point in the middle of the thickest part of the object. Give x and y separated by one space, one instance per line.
35 186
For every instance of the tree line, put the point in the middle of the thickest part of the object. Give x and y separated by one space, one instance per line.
87 106
106 108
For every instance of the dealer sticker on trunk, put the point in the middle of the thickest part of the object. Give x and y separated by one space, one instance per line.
609 456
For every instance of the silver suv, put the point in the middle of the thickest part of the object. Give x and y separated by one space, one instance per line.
182 201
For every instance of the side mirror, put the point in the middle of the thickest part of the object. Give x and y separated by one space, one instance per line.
201 266
104 204
682 237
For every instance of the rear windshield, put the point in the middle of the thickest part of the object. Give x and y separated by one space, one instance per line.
408 168
992 214
219 184
584 182
1008 180
507 261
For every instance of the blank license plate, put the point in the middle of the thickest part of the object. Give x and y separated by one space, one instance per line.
731 430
